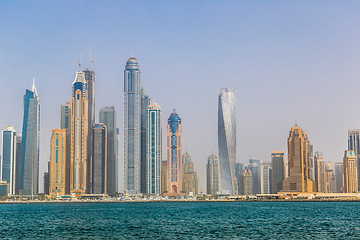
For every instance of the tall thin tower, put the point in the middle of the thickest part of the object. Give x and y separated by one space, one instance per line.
79 135
29 160
132 127
227 140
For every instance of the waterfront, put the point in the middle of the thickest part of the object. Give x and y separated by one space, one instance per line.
189 220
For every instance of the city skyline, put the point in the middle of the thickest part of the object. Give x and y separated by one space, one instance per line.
281 70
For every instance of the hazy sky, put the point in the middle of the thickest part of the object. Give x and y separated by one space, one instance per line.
287 60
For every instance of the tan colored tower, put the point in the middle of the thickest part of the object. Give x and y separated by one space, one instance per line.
58 163
79 135
174 147
350 172
190 180
299 163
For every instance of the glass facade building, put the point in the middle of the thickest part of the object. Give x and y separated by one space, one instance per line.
227 140
145 102
153 150
278 170
255 168
132 127
8 158
212 174
108 117
29 160
99 170
354 145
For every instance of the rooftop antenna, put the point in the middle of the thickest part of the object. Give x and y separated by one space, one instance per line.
132 53
92 59
80 62
296 123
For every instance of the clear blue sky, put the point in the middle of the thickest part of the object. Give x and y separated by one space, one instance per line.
287 60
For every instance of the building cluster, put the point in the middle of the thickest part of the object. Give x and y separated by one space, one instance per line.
84 152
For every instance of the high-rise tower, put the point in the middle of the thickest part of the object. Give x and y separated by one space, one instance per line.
227 140
350 172
29 160
65 123
354 145
145 102
79 135
299 163
108 117
320 179
212 174
132 127
278 171
174 148
153 149
190 180
99 158
57 172
8 158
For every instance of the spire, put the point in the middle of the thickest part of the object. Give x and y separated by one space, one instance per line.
33 88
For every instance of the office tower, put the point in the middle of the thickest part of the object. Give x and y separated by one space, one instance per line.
227 140
255 168
57 183
329 180
29 160
299 162
4 188
153 149
79 135
190 180
312 165
265 177
174 147
320 176
247 180
164 176
99 170
107 116
90 80
145 102
278 170
339 177
354 144
65 123
212 174
350 172
286 169
132 114
8 158
17 164
239 168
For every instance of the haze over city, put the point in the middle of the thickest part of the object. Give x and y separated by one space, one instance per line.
288 62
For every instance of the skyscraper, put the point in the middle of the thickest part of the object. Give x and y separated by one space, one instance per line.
57 178
227 140
108 117
239 168
164 184
17 169
99 170
320 175
278 171
339 177
8 158
145 102
132 127
255 168
79 135
65 123
266 177
246 182
354 145
299 162
29 161
350 172
153 149
90 81
212 174
174 148
190 180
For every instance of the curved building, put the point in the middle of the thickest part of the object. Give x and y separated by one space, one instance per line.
174 140
132 127
227 140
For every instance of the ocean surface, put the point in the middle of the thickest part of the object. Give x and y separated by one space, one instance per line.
181 220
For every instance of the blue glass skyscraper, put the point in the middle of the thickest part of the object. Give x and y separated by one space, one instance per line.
29 160
8 160
132 127
227 140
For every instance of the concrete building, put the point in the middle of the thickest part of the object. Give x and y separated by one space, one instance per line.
227 140
65 123
354 145
350 172
164 176
79 175
320 173
265 177
212 174
190 180
174 149
247 179
339 177
278 170
57 174
299 163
